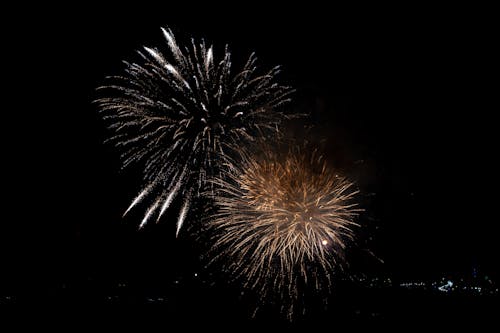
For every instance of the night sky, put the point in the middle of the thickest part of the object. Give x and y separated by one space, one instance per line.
402 100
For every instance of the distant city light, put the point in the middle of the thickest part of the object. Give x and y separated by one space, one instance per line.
446 287
479 285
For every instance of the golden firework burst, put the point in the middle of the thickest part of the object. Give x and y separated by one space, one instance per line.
283 220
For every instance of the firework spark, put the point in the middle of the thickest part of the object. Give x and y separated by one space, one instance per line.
283 220
174 112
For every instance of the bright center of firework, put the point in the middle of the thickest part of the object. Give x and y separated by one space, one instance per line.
295 199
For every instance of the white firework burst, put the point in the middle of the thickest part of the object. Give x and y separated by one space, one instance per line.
174 113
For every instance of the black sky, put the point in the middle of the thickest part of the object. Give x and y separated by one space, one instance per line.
402 98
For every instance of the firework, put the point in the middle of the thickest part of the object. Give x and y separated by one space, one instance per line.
174 112
283 220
